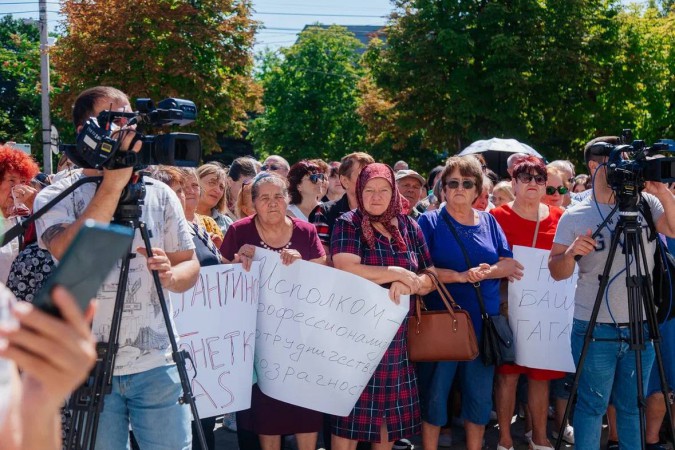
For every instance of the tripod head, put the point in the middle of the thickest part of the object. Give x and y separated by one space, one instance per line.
131 200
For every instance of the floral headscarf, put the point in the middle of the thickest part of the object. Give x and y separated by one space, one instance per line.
396 205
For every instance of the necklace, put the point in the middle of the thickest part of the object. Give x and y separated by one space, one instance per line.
264 244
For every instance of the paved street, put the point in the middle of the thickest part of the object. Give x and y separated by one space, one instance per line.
226 440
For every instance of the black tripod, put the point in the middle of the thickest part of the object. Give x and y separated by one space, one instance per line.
86 403
640 305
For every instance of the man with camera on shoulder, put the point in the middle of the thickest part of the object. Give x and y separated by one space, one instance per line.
146 385
609 369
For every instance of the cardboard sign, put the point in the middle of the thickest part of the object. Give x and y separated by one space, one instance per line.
321 333
541 312
216 321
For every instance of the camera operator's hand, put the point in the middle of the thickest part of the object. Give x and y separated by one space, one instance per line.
656 188
161 263
582 245
116 180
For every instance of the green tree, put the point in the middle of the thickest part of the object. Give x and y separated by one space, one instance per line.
201 51
19 82
457 71
310 97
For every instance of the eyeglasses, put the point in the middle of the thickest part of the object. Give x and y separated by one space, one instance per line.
271 167
550 190
525 178
466 184
316 177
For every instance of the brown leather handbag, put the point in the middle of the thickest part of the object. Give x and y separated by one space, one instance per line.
441 335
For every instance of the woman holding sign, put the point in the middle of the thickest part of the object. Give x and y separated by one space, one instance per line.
490 260
293 239
527 221
379 243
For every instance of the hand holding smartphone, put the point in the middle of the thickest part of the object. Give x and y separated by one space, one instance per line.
86 264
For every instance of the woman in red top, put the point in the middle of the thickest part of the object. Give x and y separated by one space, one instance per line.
528 222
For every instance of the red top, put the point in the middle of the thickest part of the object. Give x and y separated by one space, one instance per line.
520 231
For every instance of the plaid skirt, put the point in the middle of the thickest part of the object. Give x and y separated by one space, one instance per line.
390 397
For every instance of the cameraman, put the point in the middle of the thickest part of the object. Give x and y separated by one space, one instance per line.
609 367
146 385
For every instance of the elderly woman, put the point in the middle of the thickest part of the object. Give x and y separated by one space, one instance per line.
293 239
213 182
379 243
305 180
527 222
490 260
556 188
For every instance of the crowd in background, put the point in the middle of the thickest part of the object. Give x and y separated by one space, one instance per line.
385 224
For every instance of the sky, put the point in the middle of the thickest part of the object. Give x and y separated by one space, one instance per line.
282 19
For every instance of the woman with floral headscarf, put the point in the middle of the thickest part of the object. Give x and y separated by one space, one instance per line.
379 243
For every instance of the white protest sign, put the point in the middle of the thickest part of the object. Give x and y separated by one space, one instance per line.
540 313
216 322
321 333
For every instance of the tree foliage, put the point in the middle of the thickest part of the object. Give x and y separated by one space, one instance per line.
19 81
310 97
164 48
457 71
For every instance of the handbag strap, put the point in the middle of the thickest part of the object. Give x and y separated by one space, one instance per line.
447 299
476 286
536 230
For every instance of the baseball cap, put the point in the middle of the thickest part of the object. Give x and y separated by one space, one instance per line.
401 174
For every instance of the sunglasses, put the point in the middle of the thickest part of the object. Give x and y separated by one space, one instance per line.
525 178
316 177
550 190
270 167
466 184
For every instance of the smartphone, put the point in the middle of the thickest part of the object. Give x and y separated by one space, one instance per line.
86 263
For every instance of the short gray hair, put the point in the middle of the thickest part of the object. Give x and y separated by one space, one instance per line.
268 178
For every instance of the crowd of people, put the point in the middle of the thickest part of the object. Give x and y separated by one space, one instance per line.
389 225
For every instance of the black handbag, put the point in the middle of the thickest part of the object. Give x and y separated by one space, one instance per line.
496 346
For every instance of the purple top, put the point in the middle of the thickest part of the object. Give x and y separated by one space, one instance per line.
304 239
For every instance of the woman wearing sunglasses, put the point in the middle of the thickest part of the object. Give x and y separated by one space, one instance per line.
490 260
527 221
304 186
556 188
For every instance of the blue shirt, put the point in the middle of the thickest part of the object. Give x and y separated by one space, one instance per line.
484 243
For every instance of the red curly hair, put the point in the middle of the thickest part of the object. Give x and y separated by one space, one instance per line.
14 160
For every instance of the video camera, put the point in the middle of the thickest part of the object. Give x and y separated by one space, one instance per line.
98 143
630 165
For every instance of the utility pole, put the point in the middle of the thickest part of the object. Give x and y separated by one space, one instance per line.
44 80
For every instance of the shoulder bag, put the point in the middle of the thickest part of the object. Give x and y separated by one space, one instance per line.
441 335
496 347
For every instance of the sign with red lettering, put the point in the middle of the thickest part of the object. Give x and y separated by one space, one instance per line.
321 333
216 321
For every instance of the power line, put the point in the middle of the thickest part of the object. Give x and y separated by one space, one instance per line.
318 14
